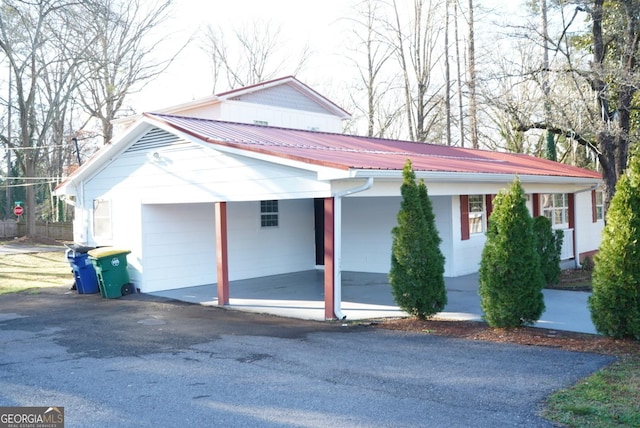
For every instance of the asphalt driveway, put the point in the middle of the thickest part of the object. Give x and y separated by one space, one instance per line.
144 361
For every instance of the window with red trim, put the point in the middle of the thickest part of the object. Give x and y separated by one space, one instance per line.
555 207
472 215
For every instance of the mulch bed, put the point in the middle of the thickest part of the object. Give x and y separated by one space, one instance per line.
474 330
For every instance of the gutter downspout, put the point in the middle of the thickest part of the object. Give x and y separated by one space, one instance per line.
337 250
576 251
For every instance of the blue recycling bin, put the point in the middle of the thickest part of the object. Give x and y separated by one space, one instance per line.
84 272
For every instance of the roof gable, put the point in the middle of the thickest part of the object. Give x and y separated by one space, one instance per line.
294 94
282 96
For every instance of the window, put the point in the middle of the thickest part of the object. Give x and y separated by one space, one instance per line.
555 207
268 213
476 214
598 206
101 218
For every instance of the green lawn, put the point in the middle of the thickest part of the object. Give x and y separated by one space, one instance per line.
609 398
19 272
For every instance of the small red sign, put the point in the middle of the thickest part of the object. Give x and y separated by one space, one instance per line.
18 210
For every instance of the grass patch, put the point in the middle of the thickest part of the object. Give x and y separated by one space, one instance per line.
20 272
608 398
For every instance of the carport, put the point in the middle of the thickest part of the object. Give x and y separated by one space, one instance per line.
209 245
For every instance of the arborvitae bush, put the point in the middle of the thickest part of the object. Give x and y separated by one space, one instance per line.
510 278
615 298
417 264
549 247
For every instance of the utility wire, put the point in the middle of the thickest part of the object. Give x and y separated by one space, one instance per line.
30 184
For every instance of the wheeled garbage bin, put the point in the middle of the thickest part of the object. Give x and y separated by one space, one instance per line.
84 274
110 264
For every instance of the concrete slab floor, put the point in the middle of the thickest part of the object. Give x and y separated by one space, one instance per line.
368 296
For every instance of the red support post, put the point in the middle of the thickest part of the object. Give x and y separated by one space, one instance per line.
222 261
329 259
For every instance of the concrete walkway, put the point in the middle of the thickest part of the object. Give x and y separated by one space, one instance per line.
368 296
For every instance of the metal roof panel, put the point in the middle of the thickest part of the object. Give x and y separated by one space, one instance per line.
356 152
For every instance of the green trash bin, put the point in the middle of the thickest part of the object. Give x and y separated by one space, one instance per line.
110 264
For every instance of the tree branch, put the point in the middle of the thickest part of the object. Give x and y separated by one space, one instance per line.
558 131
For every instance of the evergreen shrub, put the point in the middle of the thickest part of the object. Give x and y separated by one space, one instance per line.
511 281
549 247
417 264
615 298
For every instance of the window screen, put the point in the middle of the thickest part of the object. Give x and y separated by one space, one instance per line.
268 213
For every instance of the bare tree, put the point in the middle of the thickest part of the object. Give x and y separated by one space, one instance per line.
31 39
371 56
607 73
447 73
550 152
459 75
124 55
416 40
473 106
254 54
510 96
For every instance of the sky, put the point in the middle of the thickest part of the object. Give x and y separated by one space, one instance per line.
321 24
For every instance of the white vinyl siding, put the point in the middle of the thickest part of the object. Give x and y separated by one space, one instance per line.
178 246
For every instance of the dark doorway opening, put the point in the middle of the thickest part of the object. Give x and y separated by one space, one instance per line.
318 210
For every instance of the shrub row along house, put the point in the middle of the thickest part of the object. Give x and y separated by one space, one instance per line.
259 181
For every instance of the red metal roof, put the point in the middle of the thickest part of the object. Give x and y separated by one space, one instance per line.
355 152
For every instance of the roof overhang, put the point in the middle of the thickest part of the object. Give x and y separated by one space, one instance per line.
577 183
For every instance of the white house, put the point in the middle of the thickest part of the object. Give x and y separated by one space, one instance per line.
201 201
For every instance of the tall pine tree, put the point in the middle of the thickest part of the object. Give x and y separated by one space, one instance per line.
417 264
511 281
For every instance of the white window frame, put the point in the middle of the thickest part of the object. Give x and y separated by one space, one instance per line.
555 207
599 205
477 223
102 218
